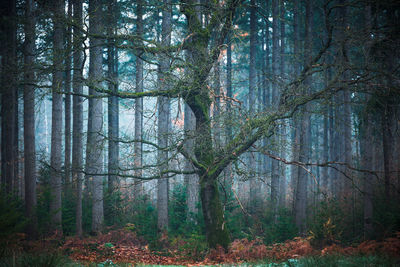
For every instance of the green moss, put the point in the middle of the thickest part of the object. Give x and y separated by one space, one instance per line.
216 229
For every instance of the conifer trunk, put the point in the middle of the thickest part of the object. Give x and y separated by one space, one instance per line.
77 113
94 151
29 121
56 118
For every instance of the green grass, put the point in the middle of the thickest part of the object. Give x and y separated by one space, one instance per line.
341 261
39 260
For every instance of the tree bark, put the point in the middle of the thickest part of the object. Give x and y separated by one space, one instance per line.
191 180
94 149
8 94
366 163
139 105
274 100
67 85
302 182
77 113
296 121
29 121
254 192
387 141
346 182
282 184
228 109
163 121
113 102
56 118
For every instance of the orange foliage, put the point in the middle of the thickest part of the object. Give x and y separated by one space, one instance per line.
125 246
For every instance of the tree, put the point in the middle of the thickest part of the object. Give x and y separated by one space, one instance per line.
347 150
8 93
67 90
254 192
113 101
302 181
296 121
77 110
191 180
56 111
29 120
139 103
163 120
275 100
282 184
94 154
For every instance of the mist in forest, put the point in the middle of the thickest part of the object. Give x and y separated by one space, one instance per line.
201 122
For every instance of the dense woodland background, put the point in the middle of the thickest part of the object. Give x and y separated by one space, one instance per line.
203 120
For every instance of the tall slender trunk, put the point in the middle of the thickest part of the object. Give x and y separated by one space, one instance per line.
302 181
163 121
17 176
94 149
282 182
267 86
346 182
229 89
274 100
366 150
325 182
67 86
228 109
296 121
56 117
77 113
29 120
113 102
139 105
366 163
387 141
325 153
8 94
254 192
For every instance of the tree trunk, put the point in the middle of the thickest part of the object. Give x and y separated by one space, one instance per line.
282 184
216 230
296 121
229 92
56 118
163 122
77 113
387 141
228 110
67 85
199 99
94 153
17 176
113 103
139 106
346 179
29 121
8 94
366 163
267 97
191 180
274 100
325 154
302 182
254 192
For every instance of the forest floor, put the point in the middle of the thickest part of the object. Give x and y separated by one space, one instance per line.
126 249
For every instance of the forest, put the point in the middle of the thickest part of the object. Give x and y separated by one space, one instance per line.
200 132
